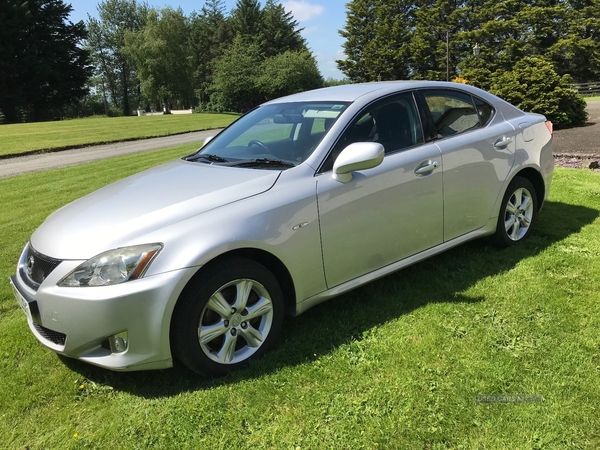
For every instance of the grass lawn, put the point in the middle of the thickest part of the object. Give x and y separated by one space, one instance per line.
30 137
396 364
594 98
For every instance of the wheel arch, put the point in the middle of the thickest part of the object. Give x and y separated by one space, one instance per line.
271 262
535 178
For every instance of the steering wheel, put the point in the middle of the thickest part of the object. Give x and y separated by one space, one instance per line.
258 144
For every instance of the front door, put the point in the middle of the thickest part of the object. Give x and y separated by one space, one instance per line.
386 213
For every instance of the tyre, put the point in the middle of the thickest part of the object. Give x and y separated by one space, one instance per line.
227 316
517 213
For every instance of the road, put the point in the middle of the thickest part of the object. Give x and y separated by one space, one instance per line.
35 163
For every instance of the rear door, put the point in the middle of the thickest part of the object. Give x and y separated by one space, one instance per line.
478 151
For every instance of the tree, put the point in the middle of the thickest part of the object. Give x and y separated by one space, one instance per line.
235 86
210 33
246 20
42 66
527 48
279 32
162 59
392 59
568 32
358 32
506 32
333 82
267 58
288 73
244 79
106 41
434 39
377 35
577 51
533 85
433 48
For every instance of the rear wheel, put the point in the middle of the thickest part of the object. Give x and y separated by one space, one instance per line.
229 315
517 213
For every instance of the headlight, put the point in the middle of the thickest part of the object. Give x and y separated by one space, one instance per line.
113 267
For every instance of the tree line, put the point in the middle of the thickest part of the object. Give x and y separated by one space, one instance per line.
212 60
133 56
528 52
429 39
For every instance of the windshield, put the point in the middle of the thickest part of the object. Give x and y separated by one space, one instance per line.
272 136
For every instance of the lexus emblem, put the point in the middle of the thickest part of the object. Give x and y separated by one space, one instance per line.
30 263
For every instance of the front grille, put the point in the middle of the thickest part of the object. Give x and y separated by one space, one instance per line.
51 335
38 266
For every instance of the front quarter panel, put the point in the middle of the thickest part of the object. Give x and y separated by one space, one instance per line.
282 221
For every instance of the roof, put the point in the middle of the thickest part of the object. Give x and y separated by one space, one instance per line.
351 92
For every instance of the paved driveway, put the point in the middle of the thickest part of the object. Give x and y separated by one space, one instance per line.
583 142
35 163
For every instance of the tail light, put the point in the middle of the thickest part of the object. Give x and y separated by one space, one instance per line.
550 127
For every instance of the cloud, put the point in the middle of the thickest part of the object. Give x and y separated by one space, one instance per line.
327 63
303 10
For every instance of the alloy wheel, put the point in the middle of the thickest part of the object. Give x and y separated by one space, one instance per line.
235 321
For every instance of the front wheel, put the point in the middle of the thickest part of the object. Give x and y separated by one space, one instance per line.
517 213
227 316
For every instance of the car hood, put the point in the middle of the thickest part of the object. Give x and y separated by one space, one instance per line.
117 214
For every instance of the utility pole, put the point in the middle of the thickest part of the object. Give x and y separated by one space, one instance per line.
447 55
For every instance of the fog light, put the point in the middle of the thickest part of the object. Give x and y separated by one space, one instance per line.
118 342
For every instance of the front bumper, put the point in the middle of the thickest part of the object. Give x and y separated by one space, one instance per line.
77 321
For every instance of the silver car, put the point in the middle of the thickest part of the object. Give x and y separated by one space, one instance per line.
300 200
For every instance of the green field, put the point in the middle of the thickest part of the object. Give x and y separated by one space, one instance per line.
594 98
23 138
396 364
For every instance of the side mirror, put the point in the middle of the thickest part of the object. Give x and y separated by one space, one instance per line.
357 156
207 140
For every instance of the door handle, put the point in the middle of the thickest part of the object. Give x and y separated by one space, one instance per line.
427 168
503 142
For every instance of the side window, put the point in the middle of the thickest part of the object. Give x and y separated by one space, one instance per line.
361 130
453 112
398 125
393 122
485 111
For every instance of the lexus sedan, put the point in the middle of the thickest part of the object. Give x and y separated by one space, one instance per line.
298 201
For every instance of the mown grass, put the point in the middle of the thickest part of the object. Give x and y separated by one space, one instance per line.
396 364
593 98
29 137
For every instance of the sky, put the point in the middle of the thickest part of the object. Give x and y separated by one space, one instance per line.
321 20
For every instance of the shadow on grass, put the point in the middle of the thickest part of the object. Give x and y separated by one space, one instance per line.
345 318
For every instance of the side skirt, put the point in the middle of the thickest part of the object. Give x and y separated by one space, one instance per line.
340 289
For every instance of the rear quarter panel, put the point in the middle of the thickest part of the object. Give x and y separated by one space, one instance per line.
534 147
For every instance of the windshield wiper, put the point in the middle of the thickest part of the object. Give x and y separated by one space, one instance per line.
213 158
262 162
